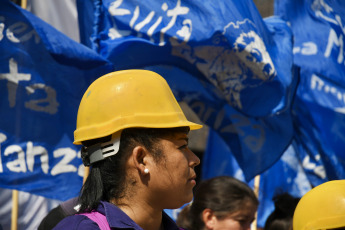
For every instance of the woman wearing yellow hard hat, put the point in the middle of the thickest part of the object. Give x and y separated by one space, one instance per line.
135 139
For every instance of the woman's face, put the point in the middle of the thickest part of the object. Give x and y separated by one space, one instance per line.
240 220
173 178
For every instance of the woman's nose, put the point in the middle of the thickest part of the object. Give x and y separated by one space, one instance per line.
194 159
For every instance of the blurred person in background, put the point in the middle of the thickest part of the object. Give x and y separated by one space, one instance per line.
220 203
281 217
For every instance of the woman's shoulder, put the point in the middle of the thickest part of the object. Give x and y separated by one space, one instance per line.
76 222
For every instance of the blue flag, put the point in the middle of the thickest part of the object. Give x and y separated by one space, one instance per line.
320 126
237 52
320 50
43 75
319 106
235 71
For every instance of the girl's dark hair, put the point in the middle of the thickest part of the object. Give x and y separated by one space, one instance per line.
281 217
107 179
223 195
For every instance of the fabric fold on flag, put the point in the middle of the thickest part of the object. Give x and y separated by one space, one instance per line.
319 105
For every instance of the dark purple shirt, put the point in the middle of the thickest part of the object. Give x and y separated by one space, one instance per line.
116 218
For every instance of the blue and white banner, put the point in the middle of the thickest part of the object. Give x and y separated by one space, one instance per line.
248 61
319 106
43 75
319 28
236 72
320 125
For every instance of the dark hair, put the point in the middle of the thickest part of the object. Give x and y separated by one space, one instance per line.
107 179
223 195
281 217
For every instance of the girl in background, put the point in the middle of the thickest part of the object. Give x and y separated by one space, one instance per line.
220 203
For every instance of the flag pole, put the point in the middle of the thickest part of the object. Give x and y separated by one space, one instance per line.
14 216
24 4
256 191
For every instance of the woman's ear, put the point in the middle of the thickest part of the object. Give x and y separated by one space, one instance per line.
139 159
209 218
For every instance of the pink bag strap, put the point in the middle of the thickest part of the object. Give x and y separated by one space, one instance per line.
99 218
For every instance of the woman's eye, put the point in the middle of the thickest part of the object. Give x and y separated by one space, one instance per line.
183 147
242 222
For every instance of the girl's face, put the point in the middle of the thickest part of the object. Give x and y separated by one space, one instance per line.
240 220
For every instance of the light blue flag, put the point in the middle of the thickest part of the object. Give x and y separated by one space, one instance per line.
43 75
234 69
319 106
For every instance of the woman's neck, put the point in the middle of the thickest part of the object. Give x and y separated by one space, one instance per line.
142 214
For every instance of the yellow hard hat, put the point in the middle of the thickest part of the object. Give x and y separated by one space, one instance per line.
128 99
323 207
